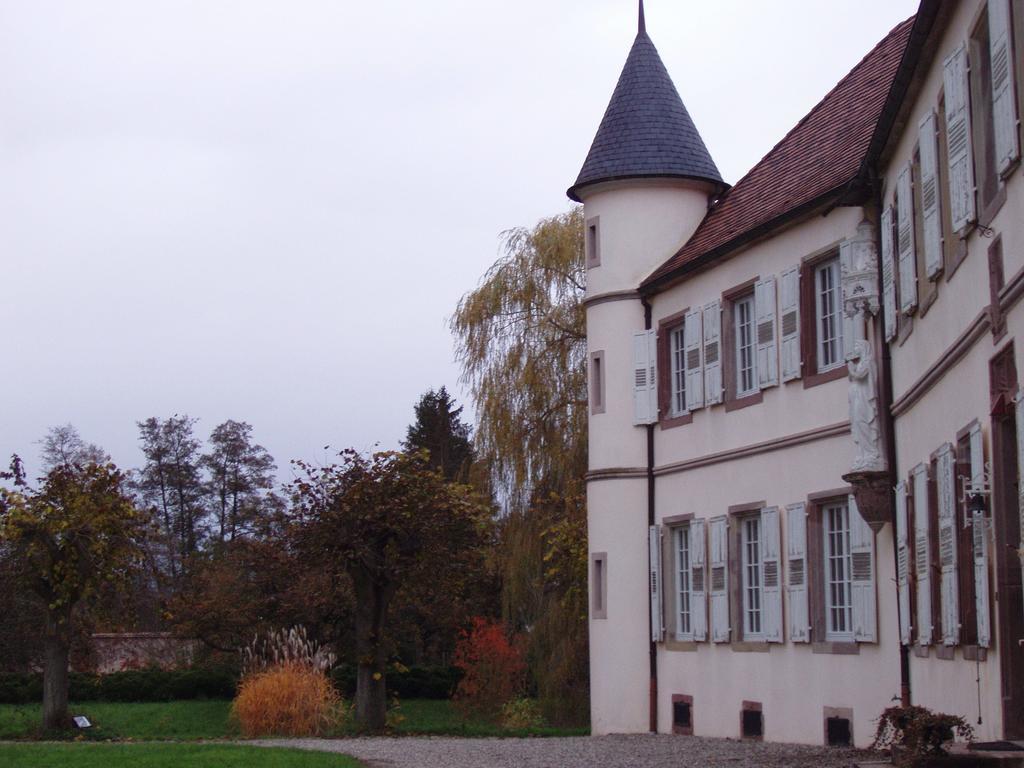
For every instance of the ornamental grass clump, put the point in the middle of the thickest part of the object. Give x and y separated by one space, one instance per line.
285 688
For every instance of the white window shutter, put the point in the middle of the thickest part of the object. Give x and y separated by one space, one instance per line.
796 573
652 376
888 275
903 562
949 587
772 580
931 211
719 557
657 618
922 556
698 575
713 353
905 241
789 309
692 340
644 378
850 334
979 537
958 138
767 346
862 587
1004 106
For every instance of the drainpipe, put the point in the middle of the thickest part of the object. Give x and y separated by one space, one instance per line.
650 521
889 423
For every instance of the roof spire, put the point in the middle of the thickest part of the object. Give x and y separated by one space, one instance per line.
642 27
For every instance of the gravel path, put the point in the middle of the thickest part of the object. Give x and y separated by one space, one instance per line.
646 751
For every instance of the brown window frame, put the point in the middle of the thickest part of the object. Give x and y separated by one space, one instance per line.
809 322
728 346
666 420
989 187
816 603
734 543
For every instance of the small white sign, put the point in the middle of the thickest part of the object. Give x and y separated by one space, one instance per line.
82 721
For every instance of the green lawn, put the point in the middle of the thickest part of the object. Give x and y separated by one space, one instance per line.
165 756
192 720
424 716
172 720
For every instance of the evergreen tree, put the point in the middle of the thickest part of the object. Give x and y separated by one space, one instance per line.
440 430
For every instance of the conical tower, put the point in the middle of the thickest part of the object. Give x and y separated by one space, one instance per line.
645 185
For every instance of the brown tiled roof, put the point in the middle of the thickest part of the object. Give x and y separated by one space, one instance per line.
821 155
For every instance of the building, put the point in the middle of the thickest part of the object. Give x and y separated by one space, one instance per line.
804 456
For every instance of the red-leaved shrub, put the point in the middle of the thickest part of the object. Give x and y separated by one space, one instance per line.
493 667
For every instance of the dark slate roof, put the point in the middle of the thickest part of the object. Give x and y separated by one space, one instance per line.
814 163
646 131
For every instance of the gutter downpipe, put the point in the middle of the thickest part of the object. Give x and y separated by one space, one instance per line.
890 428
653 726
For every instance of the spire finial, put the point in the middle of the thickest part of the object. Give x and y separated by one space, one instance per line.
642 28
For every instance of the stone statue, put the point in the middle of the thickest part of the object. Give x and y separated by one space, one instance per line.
864 421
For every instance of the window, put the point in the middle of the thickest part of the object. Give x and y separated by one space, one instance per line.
599 585
820 338
597 382
838 598
827 318
745 347
982 122
677 352
752 585
684 624
593 242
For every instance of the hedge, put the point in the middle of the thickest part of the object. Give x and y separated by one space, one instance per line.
133 686
159 685
412 683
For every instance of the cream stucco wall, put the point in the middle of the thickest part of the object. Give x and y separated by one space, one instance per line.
792 682
961 394
788 408
619 658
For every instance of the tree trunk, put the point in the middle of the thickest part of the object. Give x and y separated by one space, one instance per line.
371 693
56 649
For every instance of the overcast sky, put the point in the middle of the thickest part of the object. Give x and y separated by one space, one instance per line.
267 211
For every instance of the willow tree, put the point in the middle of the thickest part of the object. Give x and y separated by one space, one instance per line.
521 342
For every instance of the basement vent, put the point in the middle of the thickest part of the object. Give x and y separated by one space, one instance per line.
837 731
681 714
752 722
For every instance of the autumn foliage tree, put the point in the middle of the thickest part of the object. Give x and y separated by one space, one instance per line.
385 523
493 669
74 534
